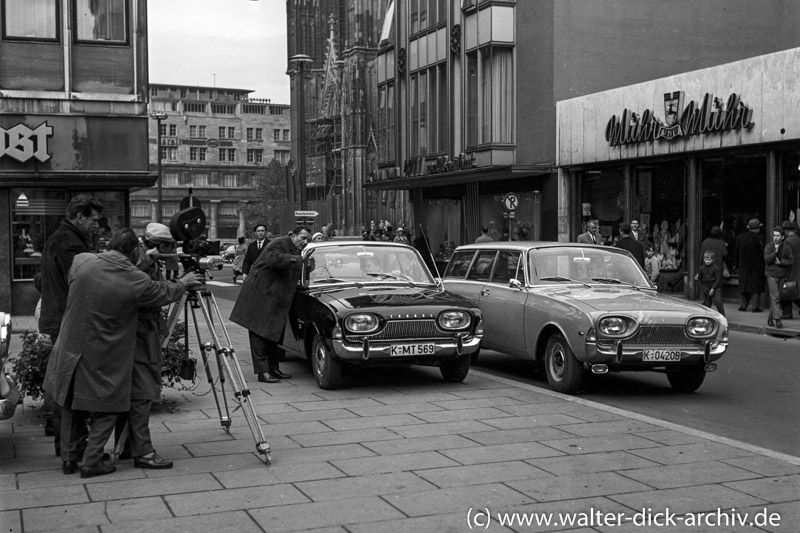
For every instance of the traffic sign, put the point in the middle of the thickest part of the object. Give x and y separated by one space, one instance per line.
510 201
304 221
306 214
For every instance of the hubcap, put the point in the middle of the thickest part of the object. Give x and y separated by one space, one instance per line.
557 362
321 360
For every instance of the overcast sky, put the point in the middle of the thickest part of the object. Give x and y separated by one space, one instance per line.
243 42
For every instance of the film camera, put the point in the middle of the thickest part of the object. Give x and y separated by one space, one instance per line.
199 254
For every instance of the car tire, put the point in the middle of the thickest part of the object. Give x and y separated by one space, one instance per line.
474 357
687 379
564 372
327 369
456 370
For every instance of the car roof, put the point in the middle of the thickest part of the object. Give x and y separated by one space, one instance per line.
355 242
527 245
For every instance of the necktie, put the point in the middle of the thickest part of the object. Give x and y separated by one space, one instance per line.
594 239
259 244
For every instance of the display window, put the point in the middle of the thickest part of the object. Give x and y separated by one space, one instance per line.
791 186
522 226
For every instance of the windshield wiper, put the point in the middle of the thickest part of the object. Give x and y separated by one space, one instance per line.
568 280
616 281
330 280
386 275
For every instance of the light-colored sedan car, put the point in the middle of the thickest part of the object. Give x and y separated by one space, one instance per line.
575 307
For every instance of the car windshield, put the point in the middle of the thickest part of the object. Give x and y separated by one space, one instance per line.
356 263
585 265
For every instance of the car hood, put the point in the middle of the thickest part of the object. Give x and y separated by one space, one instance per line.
619 299
389 296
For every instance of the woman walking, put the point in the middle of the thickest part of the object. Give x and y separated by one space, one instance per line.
778 259
238 258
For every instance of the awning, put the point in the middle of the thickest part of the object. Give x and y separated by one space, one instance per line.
496 173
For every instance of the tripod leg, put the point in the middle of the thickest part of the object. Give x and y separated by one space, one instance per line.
123 436
224 419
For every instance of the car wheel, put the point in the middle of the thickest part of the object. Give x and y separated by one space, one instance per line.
687 379
327 369
474 357
564 372
455 370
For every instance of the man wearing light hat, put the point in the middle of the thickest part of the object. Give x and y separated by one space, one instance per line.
750 262
792 240
147 362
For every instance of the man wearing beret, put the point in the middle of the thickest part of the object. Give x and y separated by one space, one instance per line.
792 241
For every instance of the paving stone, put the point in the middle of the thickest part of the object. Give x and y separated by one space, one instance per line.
579 486
603 443
442 428
704 498
334 404
11 521
519 422
34 497
238 521
544 408
139 488
402 462
130 509
459 499
480 413
418 397
510 436
362 436
669 437
373 422
443 523
525 395
572 465
785 516
363 486
472 403
273 475
323 514
691 453
420 444
54 478
65 516
178 438
567 514
500 452
216 501
684 475
305 416
766 466
774 489
394 409
592 429
482 473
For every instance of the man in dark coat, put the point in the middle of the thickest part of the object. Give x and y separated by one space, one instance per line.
638 235
92 361
265 300
254 249
72 237
716 244
791 240
626 242
750 261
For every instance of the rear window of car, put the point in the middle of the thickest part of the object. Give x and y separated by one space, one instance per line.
459 264
482 266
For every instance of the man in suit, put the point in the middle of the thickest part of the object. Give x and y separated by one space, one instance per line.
254 249
265 300
792 241
638 235
591 236
750 264
626 242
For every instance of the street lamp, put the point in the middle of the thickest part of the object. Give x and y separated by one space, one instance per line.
300 60
158 116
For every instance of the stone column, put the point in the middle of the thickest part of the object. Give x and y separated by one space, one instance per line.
212 220
242 227
153 210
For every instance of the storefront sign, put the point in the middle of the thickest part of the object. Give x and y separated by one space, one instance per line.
416 166
694 119
23 143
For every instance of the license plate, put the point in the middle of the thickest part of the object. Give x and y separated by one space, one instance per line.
661 356
412 349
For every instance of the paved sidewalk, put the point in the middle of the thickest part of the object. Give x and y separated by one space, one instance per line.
401 450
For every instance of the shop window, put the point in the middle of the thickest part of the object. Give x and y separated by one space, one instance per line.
30 20
527 221
444 226
602 200
791 187
659 205
101 21
35 214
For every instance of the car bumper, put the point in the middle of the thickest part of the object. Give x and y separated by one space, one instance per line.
618 355
443 350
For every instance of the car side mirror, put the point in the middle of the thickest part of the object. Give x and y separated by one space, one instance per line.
517 284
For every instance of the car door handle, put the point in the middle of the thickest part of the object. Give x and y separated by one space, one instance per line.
485 292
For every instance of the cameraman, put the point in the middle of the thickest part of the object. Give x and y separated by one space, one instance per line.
92 361
147 359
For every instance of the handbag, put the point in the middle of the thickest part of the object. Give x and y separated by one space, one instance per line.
787 290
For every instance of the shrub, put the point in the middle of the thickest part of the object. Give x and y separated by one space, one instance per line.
26 364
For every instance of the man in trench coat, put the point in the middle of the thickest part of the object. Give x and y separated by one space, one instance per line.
91 363
265 300
750 266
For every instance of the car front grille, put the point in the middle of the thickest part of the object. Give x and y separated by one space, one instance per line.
415 329
658 336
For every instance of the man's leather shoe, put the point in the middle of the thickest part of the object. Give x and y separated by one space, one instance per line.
742 309
154 462
280 375
268 378
69 467
758 311
101 469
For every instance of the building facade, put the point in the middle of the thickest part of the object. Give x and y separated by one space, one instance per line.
712 147
73 116
215 141
467 93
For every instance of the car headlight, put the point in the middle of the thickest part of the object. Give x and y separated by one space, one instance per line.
700 326
613 326
453 320
361 323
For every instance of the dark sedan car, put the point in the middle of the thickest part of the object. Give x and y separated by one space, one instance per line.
576 307
376 303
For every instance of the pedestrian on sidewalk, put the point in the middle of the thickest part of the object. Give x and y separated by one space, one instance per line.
254 249
750 266
238 258
265 300
626 242
778 259
91 364
710 278
792 240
